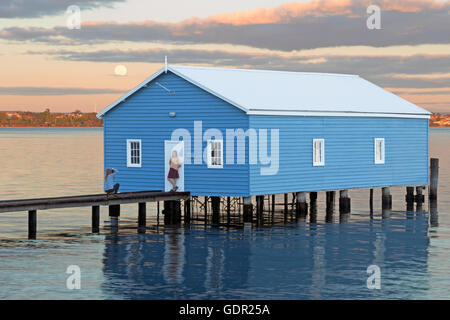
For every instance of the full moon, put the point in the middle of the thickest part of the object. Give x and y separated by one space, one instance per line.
120 70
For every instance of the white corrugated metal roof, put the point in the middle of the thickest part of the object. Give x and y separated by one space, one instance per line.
294 93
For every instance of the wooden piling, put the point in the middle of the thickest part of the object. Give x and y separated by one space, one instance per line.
187 211
114 210
386 198
142 217
206 210
172 212
344 202
313 207
313 202
273 208
419 198
215 205
259 209
371 202
157 213
301 205
32 224
248 210
330 202
95 219
386 202
409 198
434 175
286 210
228 211
433 209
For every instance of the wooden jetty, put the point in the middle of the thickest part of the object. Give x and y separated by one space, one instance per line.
235 211
95 201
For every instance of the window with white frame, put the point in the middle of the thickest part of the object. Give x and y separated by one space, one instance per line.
134 153
379 150
215 154
318 152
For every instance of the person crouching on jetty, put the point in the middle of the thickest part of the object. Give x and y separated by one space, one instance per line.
173 175
110 187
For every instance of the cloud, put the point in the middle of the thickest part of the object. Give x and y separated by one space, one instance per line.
387 71
289 12
293 26
53 91
39 8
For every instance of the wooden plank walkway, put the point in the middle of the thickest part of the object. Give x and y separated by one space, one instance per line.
89 200
95 201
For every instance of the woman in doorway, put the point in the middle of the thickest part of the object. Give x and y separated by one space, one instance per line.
173 175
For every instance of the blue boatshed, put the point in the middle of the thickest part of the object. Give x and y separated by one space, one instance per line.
256 132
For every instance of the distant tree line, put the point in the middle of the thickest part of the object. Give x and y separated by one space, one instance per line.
439 120
49 119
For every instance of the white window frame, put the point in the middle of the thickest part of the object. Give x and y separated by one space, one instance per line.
321 161
379 158
209 156
129 156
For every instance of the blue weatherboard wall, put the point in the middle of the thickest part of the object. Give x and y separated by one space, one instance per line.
349 153
145 116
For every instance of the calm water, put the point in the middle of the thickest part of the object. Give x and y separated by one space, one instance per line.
295 261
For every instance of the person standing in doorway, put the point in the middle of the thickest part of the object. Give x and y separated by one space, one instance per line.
173 175
110 187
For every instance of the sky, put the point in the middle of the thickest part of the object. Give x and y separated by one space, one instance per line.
47 63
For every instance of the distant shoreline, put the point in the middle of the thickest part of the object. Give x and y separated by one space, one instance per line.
56 127
47 119
78 119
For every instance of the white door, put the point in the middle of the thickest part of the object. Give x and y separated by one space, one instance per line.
174 165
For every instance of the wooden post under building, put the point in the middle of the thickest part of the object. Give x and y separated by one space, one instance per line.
344 202
301 205
228 211
409 198
386 202
187 211
259 209
248 210
215 206
330 202
142 217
